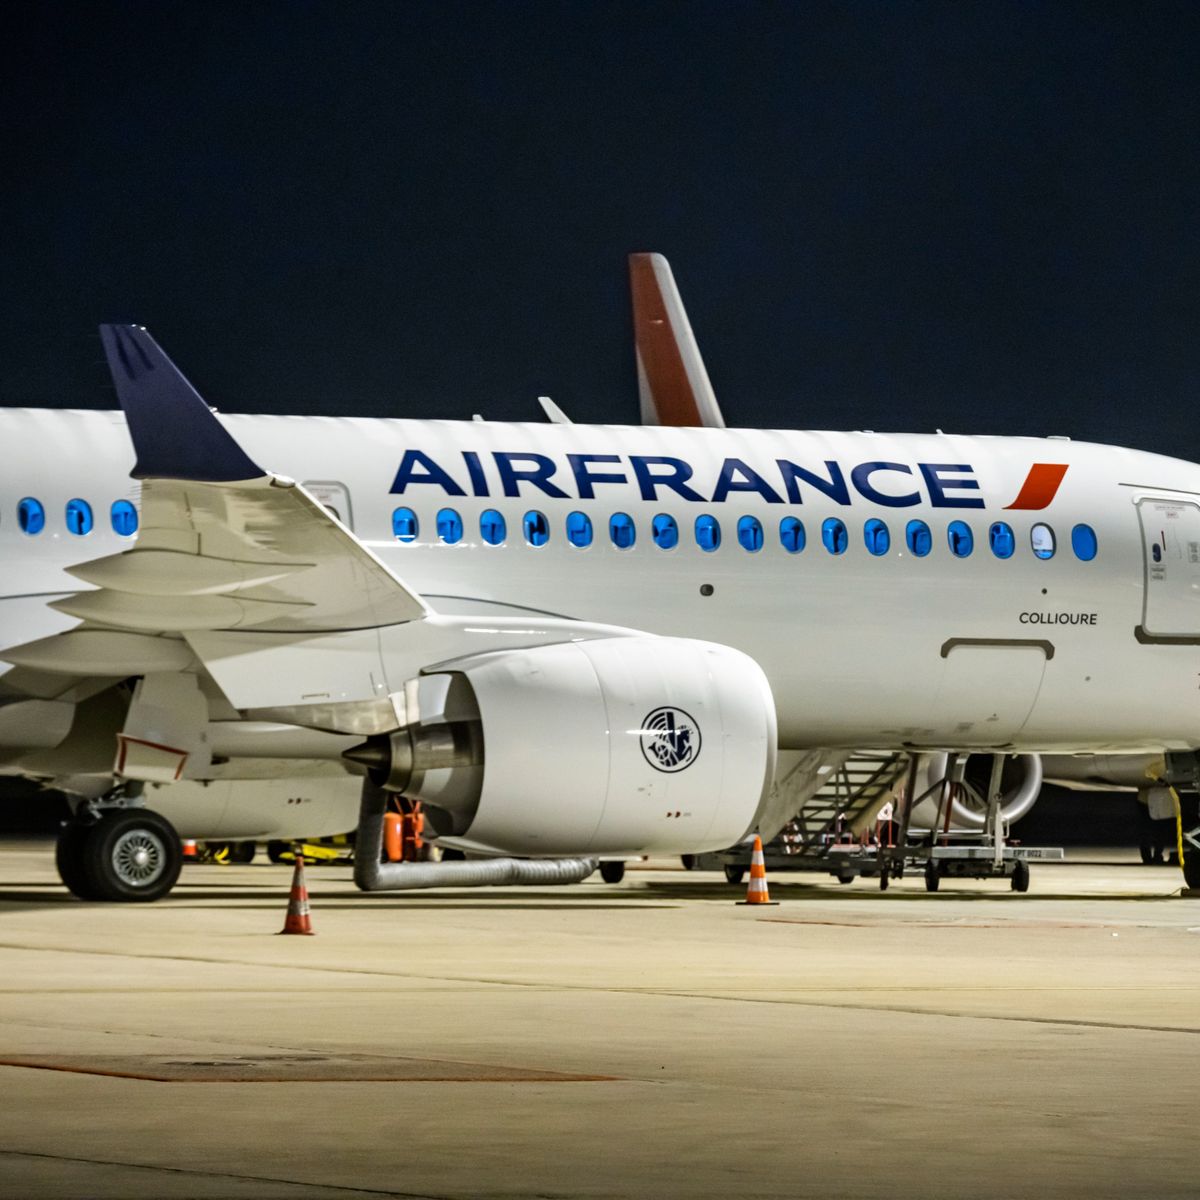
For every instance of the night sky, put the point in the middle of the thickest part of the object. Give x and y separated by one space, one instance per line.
980 217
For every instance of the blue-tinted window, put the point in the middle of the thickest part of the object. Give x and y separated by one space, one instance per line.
961 539
492 527
1041 538
791 534
918 538
833 534
1001 540
579 529
876 536
537 528
31 516
1083 542
750 534
449 526
665 531
621 530
79 517
404 525
124 518
708 532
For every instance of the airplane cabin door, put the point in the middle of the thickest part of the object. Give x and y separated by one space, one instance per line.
1171 550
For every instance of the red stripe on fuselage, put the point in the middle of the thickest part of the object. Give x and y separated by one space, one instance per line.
1040 486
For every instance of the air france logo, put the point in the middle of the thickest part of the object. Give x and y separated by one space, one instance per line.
888 484
670 739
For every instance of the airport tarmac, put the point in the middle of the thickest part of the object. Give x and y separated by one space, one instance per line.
650 1039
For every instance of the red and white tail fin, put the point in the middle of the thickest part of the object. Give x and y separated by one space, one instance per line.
672 381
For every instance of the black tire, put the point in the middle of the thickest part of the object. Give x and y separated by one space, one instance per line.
1191 867
68 857
242 852
132 854
884 880
734 874
932 876
1020 876
845 879
612 872
276 850
689 861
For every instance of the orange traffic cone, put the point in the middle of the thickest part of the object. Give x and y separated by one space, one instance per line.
756 892
298 920
189 849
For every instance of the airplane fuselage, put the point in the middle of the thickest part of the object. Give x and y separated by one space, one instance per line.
898 590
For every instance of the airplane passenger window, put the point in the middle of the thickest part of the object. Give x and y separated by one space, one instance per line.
664 531
1001 540
449 526
404 525
124 518
579 529
1083 542
79 517
621 530
537 528
749 533
791 534
961 539
876 535
492 527
708 532
833 534
1041 537
918 538
31 516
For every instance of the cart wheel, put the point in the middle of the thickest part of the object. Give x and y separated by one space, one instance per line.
1020 876
883 880
845 879
734 874
932 876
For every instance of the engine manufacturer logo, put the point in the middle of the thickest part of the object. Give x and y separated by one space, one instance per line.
670 739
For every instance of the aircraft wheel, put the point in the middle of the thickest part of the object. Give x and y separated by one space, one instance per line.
734 875
132 854
1020 876
1191 867
612 872
68 857
276 850
932 876
242 852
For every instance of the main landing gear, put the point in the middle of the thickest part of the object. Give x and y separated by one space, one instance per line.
129 854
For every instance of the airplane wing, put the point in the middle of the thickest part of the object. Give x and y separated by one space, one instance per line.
223 543
673 384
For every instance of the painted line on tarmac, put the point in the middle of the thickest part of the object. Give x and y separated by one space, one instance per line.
332 1188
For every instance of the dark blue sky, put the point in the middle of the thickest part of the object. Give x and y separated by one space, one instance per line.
982 217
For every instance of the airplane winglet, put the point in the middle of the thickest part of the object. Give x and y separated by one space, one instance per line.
175 434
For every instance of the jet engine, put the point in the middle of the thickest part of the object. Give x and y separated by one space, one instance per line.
621 745
1020 785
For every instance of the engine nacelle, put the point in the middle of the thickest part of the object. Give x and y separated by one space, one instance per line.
623 745
1020 785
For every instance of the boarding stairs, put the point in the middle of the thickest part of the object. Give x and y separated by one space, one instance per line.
845 805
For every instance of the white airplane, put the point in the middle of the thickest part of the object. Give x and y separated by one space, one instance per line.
564 639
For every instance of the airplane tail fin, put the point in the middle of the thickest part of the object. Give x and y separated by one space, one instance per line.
673 384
